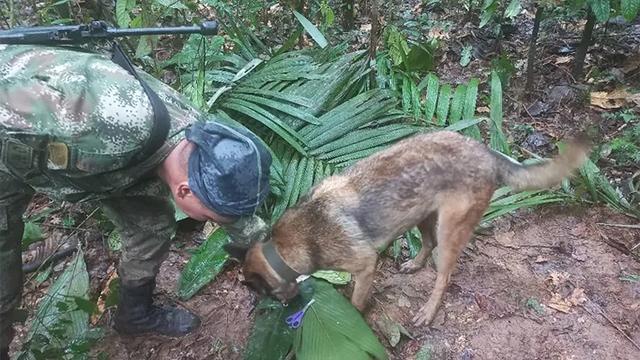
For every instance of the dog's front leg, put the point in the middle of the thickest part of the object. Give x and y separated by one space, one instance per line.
363 281
362 287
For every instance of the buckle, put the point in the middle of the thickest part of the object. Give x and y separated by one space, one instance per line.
57 155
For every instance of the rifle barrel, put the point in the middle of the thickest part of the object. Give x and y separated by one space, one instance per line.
83 33
207 28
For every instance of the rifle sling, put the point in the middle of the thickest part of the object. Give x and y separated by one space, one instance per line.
161 120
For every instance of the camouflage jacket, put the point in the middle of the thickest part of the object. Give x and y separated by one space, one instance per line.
93 106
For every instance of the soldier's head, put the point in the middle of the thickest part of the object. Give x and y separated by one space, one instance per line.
220 173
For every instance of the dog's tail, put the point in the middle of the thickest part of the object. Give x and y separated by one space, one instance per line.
545 174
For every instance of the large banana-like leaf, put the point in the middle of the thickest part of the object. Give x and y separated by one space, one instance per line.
60 327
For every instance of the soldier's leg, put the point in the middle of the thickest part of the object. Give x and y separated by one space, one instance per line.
14 198
147 226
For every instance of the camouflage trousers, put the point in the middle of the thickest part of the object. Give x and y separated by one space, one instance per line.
146 223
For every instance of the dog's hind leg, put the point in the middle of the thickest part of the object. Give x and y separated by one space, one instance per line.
456 222
428 230
363 270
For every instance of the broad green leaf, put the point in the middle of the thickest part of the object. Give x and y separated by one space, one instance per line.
298 180
291 98
465 55
122 12
406 94
455 113
280 106
469 109
360 109
291 172
602 190
114 241
334 277
311 29
601 9
31 234
43 275
333 329
414 241
172 4
442 109
415 101
348 159
267 119
380 136
488 11
290 43
629 9
513 9
464 124
204 265
270 338
497 139
425 353
432 97
57 317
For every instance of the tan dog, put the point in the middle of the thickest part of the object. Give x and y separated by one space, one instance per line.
441 182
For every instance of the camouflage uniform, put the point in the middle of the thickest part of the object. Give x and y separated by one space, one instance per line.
51 96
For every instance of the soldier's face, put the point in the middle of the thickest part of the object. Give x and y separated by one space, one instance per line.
194 208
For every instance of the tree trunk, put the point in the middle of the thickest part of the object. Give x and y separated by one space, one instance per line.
373 37
531 59
348 14
299 6
581 52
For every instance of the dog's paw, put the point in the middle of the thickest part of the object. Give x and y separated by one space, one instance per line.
424 316
410 267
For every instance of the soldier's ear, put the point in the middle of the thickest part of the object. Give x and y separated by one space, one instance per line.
236 251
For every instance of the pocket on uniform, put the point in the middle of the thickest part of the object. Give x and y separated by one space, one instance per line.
4 220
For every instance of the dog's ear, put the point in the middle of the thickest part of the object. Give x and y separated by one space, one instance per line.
236 251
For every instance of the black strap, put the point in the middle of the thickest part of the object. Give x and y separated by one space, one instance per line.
277 263
161 121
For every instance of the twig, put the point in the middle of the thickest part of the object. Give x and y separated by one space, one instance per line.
604 315
518 247
626 226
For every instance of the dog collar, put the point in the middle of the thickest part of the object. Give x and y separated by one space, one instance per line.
277 263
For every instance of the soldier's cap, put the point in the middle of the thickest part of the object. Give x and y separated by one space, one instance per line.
228 168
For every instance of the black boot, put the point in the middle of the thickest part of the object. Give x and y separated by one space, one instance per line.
4 354
136 314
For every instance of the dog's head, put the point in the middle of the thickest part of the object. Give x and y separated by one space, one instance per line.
260 276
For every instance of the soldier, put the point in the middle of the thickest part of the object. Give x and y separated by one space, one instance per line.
76 126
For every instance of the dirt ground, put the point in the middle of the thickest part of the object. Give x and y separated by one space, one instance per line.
543 284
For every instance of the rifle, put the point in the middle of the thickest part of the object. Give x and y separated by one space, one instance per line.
96 30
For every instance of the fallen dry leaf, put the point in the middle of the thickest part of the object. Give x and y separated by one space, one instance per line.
112 275
556 278
614 99
577 297
563 60
559 304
